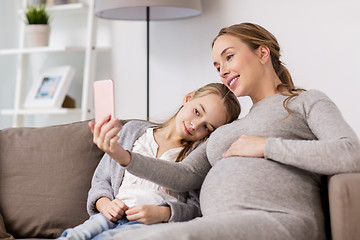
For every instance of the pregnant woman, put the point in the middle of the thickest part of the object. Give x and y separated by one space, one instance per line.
260 175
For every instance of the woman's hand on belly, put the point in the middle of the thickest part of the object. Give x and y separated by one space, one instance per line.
247 146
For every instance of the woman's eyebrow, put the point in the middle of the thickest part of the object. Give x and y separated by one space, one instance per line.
222 54
225 50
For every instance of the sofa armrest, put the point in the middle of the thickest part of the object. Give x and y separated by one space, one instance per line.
344 205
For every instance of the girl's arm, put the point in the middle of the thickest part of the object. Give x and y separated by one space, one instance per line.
112 209
172 212
148 214
106 179
100 185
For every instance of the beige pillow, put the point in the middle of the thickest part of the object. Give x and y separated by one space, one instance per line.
45 174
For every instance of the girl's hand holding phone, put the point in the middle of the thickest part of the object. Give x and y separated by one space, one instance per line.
106 138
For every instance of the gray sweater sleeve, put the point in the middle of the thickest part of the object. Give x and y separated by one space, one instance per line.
185 211
336 148
100 184
180 177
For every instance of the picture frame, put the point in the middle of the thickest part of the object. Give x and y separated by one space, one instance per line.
50 87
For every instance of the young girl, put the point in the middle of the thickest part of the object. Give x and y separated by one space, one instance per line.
124 199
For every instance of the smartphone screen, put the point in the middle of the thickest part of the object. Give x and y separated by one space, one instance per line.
104 100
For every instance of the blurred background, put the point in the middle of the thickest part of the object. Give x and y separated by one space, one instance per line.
318 40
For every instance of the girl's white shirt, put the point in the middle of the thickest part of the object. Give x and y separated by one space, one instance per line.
138 191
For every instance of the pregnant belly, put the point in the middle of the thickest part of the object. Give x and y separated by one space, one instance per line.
241 183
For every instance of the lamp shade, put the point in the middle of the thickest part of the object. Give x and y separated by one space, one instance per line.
136 9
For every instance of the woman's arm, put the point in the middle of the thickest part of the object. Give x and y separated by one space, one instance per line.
336 149
179 177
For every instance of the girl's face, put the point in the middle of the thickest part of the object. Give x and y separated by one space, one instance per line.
239 67
200 116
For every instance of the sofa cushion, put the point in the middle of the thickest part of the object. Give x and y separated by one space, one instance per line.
45 174
344 198
3 234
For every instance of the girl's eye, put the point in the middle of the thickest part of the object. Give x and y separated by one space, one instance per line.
218 69
197 112
207 128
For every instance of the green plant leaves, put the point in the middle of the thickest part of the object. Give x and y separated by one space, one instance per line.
37 15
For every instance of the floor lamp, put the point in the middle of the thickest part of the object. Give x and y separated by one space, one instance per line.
147 10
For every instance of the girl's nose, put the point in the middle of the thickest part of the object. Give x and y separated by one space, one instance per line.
194 125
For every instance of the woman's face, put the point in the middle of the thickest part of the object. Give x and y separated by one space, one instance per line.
239 67
200 116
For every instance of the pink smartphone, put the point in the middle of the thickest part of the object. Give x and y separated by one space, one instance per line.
104 100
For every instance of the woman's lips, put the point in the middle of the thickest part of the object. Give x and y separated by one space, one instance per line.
231 81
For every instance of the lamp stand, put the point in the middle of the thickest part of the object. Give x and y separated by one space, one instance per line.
147 63
135 9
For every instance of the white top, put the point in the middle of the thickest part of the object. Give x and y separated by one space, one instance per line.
138 191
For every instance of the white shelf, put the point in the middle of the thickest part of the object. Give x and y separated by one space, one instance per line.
89 48
47 50
67 7
40 111
40 50
63 8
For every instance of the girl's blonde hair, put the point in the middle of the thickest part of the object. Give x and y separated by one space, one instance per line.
254 36
231 104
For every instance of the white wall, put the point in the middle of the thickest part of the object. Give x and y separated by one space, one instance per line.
8 39
318 40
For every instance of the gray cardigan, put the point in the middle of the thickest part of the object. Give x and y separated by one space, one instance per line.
281 190
109 175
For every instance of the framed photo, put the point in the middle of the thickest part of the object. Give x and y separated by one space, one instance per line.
50 88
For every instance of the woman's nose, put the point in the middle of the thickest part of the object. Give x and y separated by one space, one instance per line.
223 71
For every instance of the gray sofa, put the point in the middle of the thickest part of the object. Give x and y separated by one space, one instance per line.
45 175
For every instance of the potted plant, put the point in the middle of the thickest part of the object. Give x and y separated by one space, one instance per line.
37 29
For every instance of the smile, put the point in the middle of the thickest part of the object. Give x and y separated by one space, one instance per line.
231 81
187 130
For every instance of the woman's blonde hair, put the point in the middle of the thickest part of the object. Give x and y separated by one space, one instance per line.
229 100
254 36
